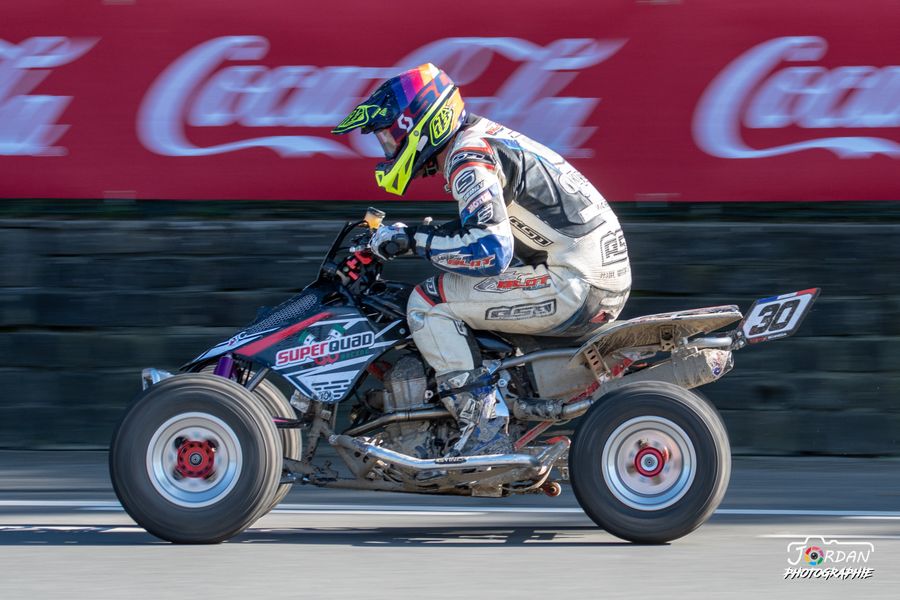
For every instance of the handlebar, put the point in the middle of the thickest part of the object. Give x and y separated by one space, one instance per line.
352 264
359 267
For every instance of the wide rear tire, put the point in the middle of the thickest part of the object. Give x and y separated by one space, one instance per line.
196 459
650 462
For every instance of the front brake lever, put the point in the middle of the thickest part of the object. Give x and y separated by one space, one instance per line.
361 242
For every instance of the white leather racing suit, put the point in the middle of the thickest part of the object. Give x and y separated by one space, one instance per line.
536 249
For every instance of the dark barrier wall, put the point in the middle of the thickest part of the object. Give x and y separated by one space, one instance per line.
85 304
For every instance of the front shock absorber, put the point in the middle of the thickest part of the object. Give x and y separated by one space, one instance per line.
225 366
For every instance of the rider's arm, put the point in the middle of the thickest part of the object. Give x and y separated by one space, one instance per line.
480 242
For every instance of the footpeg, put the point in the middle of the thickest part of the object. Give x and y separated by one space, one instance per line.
553 453
552 489
430 475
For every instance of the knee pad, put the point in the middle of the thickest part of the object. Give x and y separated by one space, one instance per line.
416 310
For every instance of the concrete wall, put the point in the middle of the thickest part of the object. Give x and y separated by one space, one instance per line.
85 304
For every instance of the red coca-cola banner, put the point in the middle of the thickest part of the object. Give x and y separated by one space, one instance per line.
704 100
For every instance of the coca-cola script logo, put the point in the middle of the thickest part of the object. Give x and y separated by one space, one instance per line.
749 93
200 89
28 122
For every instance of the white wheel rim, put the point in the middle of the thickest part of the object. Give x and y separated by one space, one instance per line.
162 460
649 463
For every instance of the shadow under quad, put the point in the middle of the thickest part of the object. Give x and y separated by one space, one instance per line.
117 535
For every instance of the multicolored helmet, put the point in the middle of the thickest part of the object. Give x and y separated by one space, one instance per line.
413 115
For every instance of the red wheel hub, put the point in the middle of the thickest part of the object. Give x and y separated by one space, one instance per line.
196 459
649 461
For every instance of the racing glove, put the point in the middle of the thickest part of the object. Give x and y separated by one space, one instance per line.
392 240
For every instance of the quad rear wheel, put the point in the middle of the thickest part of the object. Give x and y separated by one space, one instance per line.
196 459
650 462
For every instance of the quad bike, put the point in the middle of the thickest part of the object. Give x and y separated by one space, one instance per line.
201 455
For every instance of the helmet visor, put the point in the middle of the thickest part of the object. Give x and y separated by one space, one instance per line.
389 144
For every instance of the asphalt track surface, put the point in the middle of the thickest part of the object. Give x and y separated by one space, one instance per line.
63 535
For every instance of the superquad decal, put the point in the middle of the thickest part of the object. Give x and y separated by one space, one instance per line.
323 353
325 360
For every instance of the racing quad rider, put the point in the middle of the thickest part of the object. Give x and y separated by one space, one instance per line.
536 248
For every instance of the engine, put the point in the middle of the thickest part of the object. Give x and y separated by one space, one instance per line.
406 388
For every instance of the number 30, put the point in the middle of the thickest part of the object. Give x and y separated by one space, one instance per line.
775 317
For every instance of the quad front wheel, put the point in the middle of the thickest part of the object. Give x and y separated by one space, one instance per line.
277 405
650 462
196 459
291 441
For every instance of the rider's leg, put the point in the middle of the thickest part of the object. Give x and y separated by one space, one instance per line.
531 300
474 401
527 300
464 386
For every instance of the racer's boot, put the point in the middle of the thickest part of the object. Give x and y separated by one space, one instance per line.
475 403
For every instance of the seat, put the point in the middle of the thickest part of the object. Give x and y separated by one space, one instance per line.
490 341
506 343
606 338
652 330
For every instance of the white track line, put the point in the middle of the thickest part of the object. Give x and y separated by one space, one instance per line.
417 508
810 513
70 529
95 504
444 510
791 536
404 513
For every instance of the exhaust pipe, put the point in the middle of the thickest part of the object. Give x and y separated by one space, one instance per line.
684 369
400 416
537 409
455 463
